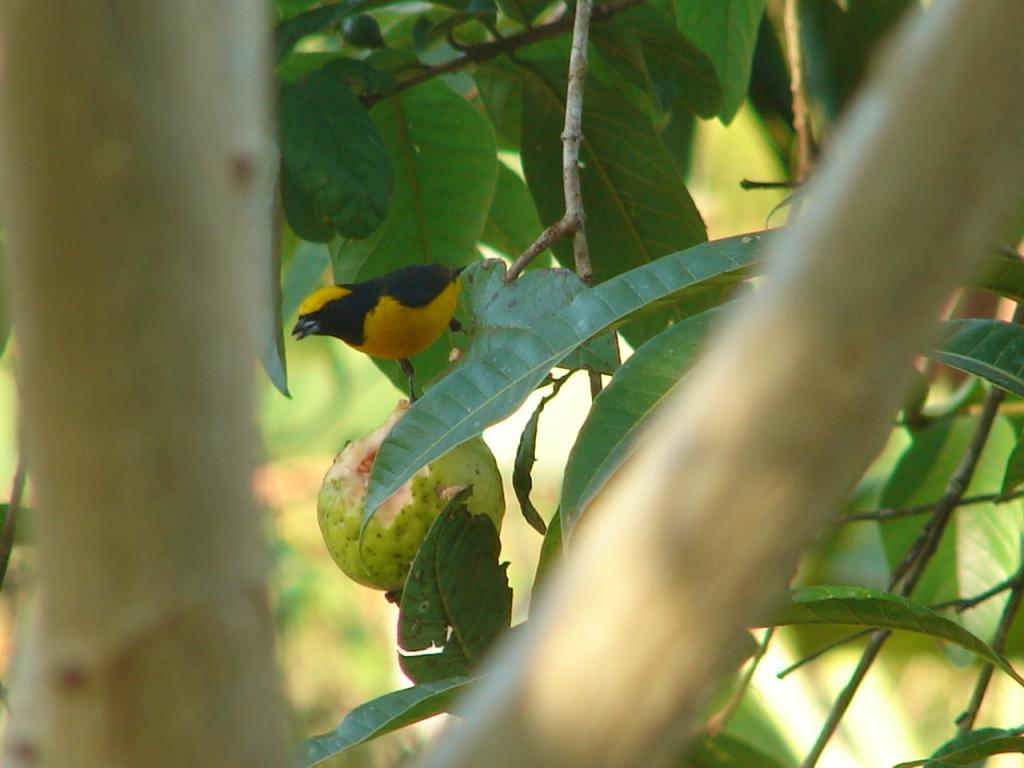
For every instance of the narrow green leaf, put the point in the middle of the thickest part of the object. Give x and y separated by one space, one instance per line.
971 748
272 355
1002 273
22 527
991 349
858 606
445 164
1014 474
623 409
725 30
380 716
638 207
334 153
724 751
550 554
456 597
491 386
522 469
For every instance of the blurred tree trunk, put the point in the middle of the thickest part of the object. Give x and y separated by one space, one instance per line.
699 532
133 139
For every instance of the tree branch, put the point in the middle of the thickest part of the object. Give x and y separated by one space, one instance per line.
608 670
135 195
475 54
801 113
896 513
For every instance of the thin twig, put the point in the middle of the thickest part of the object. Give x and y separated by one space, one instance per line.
821 652
909 570
966 603
721 718
572 136
10 521
801 113
557 231
965 722
476 54
895 513
753 184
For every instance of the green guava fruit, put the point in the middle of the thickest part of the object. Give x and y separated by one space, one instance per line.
382 556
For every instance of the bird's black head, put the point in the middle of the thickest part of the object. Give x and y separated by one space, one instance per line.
336 310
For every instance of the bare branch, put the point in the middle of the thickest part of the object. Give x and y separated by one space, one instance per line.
801 113
475 54
896 513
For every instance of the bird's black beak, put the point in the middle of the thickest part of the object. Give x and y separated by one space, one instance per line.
305 327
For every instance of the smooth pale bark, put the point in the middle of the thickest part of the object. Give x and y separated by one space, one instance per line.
134 138
699 532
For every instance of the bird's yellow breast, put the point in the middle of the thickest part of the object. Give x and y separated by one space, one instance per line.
393 331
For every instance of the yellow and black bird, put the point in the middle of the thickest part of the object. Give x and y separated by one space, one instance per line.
393 317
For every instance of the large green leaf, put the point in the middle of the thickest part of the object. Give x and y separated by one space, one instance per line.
861 607
725 30
623 409
724 751
646 44
490 387
638 208
334 154
456 597
500 85
445 164
972 748
991 349
512 223
495 313
380 716
981 543
839 46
